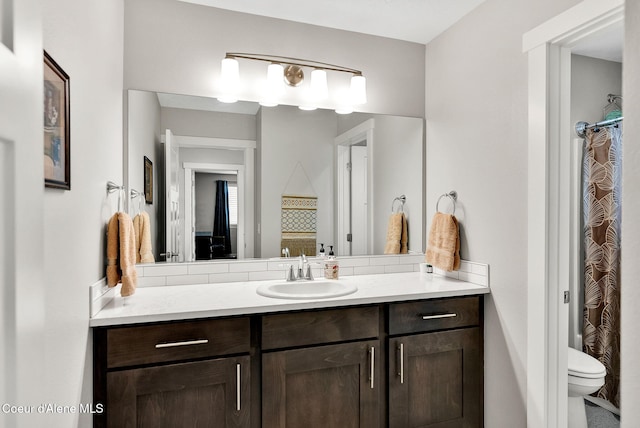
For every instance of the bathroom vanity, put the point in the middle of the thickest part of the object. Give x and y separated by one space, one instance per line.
404 350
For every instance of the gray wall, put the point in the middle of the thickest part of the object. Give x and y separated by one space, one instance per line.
177 47
591 80
143 139
289 136
476 111
86 39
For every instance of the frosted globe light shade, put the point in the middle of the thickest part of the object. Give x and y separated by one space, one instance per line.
319 88
229 80
275 78
358 90
274 86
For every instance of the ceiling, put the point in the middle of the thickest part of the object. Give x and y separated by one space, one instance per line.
418 21
606 44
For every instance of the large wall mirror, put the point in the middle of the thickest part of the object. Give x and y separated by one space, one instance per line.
275 174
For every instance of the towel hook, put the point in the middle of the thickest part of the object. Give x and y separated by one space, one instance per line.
453 195
402 199
112 187
133 193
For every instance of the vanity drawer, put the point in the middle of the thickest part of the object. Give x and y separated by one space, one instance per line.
317 327
430 315
130 346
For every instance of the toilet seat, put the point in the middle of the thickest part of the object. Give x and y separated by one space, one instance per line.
583 367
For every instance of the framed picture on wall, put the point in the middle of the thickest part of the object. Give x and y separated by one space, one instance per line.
57 162
148 180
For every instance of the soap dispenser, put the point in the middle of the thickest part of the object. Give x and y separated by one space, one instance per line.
321 252
331 265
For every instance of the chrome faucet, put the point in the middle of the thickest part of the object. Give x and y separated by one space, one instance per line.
303 272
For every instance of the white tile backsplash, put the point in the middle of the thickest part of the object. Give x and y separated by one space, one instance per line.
368 270
257 270
248 266
200 268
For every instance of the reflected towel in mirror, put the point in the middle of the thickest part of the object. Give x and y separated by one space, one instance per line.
142 232
396 235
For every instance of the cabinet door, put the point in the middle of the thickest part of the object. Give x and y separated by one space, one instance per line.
212 393
435 380
324 386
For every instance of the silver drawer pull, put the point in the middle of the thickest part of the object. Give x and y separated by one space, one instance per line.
401 372
435 317
373 362
185 343
238 387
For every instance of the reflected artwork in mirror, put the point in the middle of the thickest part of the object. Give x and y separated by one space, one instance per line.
355 165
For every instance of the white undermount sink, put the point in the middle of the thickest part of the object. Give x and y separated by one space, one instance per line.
316 289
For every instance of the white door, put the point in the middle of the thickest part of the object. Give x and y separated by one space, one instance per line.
172 205
359 216
22 290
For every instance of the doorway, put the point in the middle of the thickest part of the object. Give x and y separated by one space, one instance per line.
550 254
354 191
199 192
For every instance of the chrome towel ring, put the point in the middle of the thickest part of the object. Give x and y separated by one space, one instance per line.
402 199
453 195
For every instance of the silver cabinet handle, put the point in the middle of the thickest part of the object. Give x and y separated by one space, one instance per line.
238 386
373 362
184 343
401 357
435 317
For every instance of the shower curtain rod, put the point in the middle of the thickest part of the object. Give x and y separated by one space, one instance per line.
581 127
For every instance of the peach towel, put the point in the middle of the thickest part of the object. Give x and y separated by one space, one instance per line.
396 235
121 256
142 232
443 245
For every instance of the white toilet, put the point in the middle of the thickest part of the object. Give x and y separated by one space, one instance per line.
586 376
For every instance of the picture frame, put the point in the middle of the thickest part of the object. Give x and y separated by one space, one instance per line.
148 180
56 126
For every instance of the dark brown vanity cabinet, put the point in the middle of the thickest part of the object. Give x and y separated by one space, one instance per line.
183 374
436 364
332 376
402 365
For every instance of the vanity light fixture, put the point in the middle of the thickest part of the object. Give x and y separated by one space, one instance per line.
290 71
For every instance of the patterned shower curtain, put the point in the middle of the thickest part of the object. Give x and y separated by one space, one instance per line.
602 194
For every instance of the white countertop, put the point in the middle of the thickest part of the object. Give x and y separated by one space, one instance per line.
181 302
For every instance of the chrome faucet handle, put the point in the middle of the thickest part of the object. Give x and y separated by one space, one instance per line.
290 275
307 274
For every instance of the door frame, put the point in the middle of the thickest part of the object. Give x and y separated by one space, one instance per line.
246 199
357 134
549 253
213 168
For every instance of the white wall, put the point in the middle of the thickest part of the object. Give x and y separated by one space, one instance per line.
476 111
177 47
197 123
592 80
289 136
143 139
86 39
630 227
397 170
